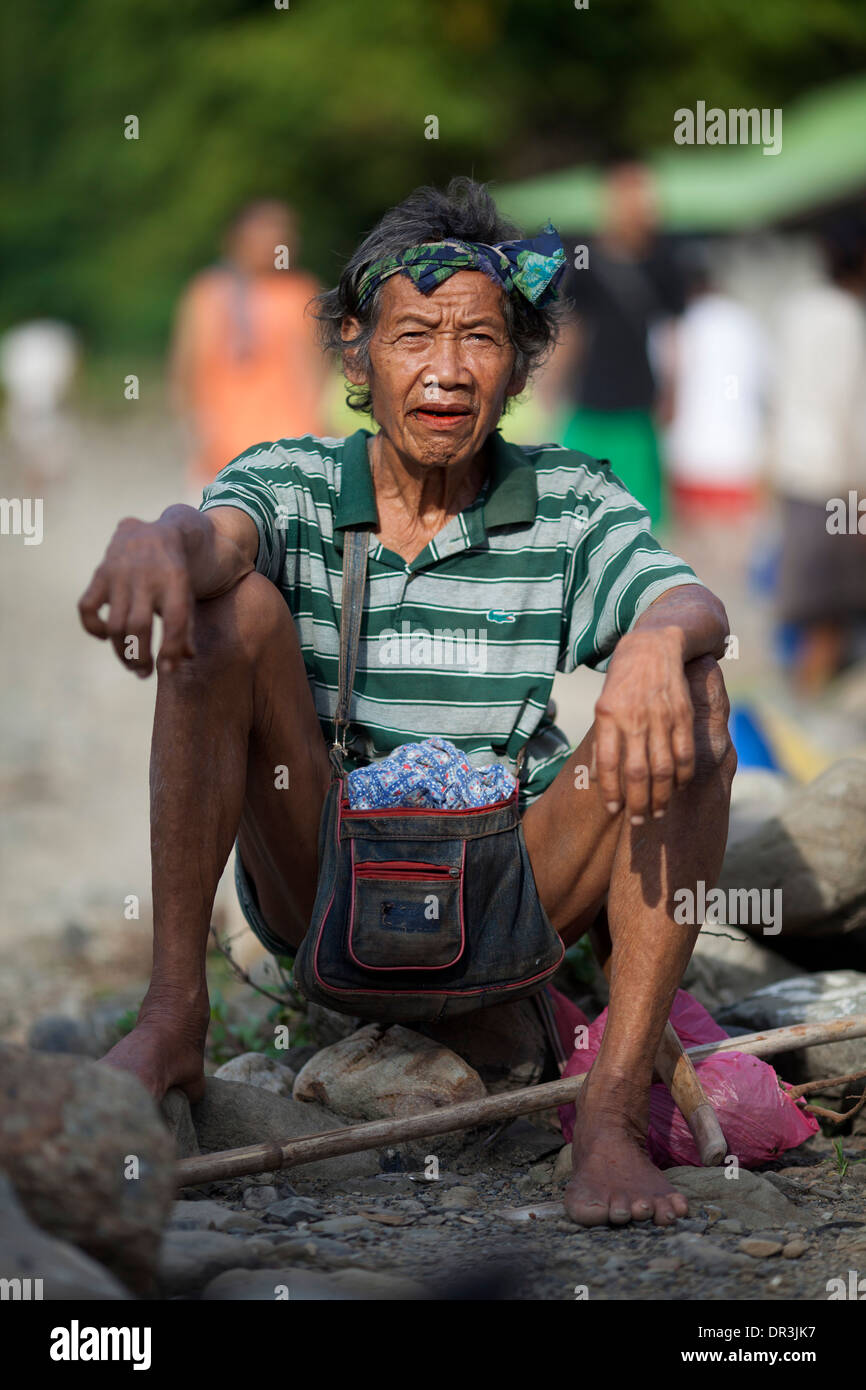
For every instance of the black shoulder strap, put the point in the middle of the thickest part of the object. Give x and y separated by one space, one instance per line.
355 545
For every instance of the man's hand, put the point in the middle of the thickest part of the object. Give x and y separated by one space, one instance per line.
644 741
144 572
163 567
645 745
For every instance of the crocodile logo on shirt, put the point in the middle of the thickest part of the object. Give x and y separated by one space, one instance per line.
499 615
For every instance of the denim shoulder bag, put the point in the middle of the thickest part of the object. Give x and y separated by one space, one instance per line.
419 914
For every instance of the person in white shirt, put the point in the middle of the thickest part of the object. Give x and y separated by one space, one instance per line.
819 454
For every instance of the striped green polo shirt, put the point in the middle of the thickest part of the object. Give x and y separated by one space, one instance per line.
544 571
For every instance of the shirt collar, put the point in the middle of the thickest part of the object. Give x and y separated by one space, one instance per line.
512 497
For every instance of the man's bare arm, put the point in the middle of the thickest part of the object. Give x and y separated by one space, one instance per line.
163 567
645 746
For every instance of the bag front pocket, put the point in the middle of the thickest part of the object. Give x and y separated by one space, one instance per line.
406 914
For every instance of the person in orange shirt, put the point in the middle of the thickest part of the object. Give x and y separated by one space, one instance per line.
245 363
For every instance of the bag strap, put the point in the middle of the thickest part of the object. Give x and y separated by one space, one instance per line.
355 544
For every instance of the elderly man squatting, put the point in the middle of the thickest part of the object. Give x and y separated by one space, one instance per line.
545 539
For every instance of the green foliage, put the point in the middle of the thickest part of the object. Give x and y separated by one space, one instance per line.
227 1039
580 961
123 1024
325 103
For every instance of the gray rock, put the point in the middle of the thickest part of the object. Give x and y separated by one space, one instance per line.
58 1033
380 1072
525 1142
759 1249
176 1113
232 1114
47 1268
304 1286
808 999
190 1259
563 1165
257 1198
211 1216
294 1209
705 1254
255 1069
757 794
460 1198
727 964
340 1225
748 1198
812 849
89 1157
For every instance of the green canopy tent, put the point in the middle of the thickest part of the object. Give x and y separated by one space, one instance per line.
721 188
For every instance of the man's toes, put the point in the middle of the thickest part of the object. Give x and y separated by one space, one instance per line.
680 1204
620 1209
665 1213
586 1211
642 1209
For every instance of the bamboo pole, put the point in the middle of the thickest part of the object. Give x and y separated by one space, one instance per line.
270 1157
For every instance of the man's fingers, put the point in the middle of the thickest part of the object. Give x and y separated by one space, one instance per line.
94 596
662 768
137 640
636 778
177 616
607 744
683 742
118 616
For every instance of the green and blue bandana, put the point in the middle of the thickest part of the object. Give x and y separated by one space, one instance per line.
532 268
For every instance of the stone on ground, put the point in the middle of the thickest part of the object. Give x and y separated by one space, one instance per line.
808 999
748 1198
89 1156
811 849
176 1113
64 1272
381 1072
232 1114
255 1069
728 963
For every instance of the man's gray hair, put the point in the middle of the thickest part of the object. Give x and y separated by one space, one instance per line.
464 210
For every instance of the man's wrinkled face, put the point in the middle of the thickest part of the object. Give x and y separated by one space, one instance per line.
441 367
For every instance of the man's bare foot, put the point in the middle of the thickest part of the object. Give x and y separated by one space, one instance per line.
613 1181
162 1053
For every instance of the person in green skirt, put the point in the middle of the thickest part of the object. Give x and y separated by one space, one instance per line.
622 287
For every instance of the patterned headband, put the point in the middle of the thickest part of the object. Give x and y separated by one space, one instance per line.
532 268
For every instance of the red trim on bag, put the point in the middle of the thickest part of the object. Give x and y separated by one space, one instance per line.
426 810
431 878
402 868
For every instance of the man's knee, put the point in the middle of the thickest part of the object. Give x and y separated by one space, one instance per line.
715 755
234 629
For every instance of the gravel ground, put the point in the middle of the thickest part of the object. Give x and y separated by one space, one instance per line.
493 1225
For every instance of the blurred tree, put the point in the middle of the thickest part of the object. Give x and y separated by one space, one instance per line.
325 103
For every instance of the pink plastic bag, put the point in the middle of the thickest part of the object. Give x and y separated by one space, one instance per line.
758 1119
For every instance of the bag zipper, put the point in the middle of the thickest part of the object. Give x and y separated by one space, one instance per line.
404 869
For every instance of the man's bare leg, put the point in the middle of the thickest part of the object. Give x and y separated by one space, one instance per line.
579 853
224 723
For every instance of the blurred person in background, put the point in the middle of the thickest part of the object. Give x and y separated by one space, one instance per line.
245 362
38 361
819 453
714 444
629 286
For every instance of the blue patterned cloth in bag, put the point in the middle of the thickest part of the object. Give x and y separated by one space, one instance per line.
433 774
